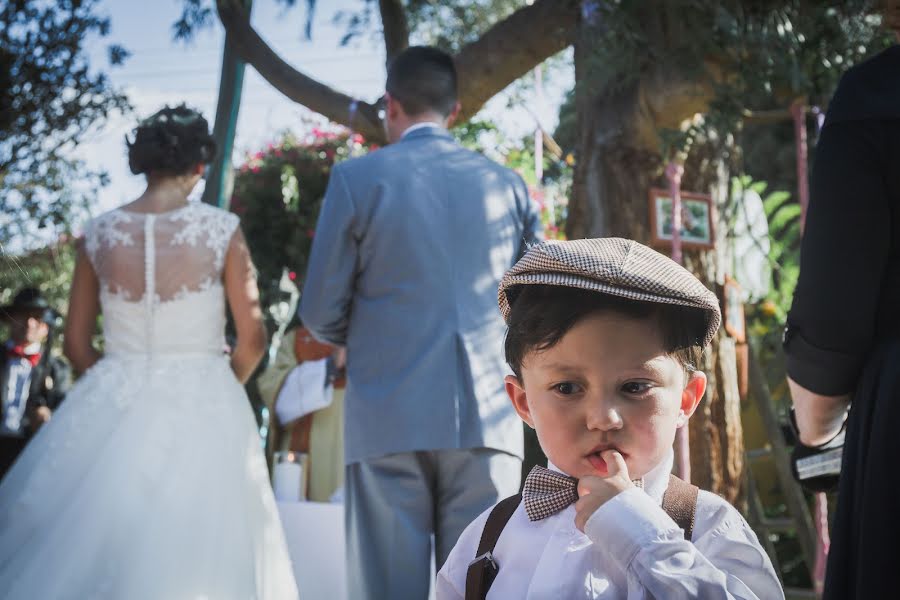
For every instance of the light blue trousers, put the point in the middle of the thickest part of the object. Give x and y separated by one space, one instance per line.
396 503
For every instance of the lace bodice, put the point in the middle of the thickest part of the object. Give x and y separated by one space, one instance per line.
161 278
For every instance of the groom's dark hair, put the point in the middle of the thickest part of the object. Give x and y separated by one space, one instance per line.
422 79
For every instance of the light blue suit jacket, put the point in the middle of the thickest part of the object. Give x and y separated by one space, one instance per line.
409 249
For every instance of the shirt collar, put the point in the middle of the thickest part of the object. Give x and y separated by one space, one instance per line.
655 481
412 128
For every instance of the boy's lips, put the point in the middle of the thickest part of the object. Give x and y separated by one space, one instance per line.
597 461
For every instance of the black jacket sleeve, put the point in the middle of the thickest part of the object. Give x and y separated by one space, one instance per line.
844 256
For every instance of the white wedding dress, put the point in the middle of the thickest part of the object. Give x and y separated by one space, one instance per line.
149 482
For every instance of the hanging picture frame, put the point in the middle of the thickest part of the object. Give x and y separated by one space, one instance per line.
733 310
696 220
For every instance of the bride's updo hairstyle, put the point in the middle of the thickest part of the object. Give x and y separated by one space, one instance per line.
170 142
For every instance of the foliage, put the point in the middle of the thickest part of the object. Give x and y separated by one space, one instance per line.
199 14
783 218
49 268
551 193
766 318
447 25
49 100
278 193
757 55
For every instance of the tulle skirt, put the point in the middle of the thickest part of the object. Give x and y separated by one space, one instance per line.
148 483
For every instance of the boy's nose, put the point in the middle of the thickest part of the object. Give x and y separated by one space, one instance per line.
604 416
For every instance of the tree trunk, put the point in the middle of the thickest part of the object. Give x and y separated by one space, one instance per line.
617 162
716 435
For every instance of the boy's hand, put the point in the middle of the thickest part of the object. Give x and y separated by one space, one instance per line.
594 492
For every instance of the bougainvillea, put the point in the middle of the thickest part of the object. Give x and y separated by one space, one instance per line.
278 193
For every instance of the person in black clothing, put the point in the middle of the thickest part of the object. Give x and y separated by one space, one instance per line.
843 334
32 382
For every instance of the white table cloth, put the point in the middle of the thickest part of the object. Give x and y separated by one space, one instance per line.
315 539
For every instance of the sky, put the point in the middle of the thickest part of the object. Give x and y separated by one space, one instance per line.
161 71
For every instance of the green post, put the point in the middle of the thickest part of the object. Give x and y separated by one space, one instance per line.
219 181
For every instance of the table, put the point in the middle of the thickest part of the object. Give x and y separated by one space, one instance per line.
315 539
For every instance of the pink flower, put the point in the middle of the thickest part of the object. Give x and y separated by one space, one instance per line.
292 275
357 138
310 233
254 169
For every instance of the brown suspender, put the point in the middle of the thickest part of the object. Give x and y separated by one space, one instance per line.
679 502
484 568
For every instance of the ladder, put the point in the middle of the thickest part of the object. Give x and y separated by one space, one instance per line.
800 519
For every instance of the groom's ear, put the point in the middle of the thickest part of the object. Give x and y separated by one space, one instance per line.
451 118
392 107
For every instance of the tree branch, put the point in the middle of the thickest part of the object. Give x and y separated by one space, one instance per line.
503 54
292 83
396 29
511 48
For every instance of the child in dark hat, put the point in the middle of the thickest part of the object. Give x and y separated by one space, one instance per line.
604 341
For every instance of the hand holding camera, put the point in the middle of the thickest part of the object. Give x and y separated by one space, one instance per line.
817 468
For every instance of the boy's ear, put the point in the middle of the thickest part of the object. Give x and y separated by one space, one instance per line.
691 396
515 389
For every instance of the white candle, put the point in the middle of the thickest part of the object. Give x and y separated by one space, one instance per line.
287 479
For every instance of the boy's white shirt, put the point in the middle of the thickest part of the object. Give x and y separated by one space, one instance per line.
630 549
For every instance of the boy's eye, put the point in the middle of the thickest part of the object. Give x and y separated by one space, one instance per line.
635 387
567 388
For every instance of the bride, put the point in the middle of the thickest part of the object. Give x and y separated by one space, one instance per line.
149 482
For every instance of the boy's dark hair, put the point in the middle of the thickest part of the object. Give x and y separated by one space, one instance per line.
542 314
170 142
423 79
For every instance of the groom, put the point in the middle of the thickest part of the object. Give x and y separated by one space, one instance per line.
411 244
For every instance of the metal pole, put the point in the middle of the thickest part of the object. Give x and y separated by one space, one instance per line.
219 181
798 112
538 132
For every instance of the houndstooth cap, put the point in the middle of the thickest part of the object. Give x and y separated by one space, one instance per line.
614 266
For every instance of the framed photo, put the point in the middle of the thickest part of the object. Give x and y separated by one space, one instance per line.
696 219
733 310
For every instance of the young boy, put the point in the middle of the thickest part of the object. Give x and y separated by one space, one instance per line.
604 338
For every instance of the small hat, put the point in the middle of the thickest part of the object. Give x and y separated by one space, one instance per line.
613 266
28 300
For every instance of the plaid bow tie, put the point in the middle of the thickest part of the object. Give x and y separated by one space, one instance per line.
547 492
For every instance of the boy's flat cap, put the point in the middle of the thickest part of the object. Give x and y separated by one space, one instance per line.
614 266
